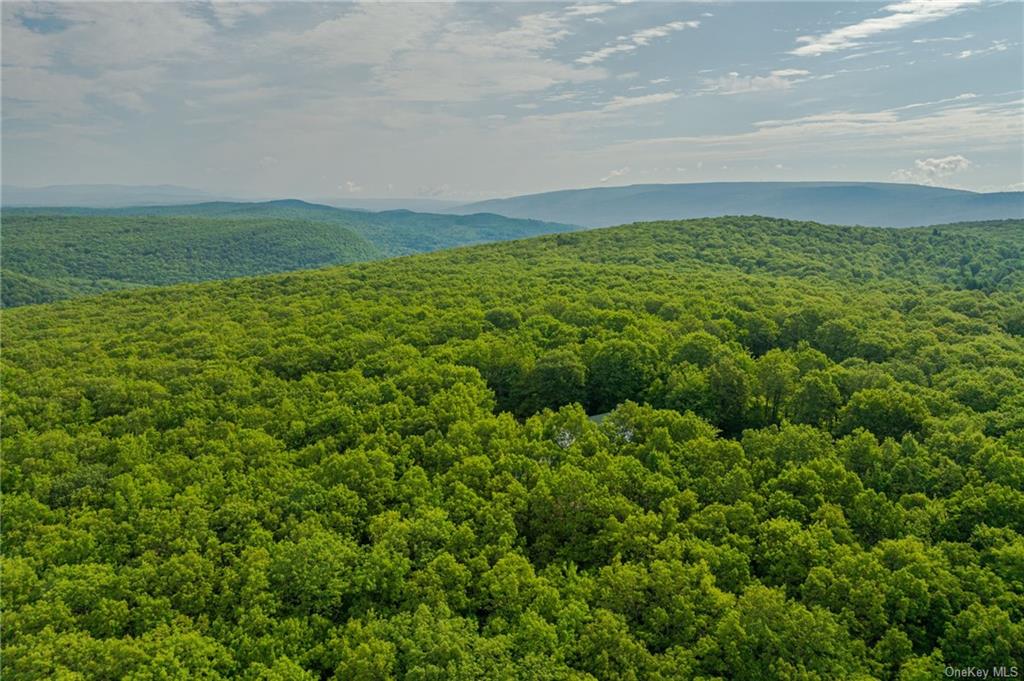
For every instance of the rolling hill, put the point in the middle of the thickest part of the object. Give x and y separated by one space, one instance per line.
811 465
393 232
54 253
49 257
848 203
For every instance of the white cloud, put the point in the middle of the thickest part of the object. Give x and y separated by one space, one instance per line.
228 14
870 53
605 52
467 61
588 9
102 35
23 47
957 98
789 73
119 53
612 174
645 36
368 33
734 84
900 15
619 103
635 40
38 92
932 170
943 39
396 94
996 46
563 97
977 125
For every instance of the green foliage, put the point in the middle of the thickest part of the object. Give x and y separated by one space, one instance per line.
812 465
886 413
56 253
49 257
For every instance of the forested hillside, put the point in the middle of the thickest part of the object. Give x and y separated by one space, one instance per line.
56 253
394 232
50 257
812 468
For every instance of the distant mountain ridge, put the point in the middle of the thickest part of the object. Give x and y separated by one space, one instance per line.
417 205
877 204
123 196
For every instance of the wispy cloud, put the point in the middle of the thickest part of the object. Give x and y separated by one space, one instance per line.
734 84
612 174
635 40
119 54
943 39
989 126
619 103
586 10
305 97
229 13
917 105
103 35
996 46
366 33
899 15
428 52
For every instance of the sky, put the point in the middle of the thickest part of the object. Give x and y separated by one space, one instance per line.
468 101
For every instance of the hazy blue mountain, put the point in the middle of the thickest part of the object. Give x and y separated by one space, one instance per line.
122 196
101 195
420 205
848 203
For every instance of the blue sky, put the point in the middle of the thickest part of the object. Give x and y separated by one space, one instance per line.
475 100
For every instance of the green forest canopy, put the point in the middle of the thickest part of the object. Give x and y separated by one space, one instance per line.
394 232
56 253
49 257
812 469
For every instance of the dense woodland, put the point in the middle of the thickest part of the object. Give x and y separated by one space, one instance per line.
738 448
50 257
394 232
56 253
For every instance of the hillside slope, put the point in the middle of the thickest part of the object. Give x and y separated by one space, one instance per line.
848 203
813 465
396 232
49 257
